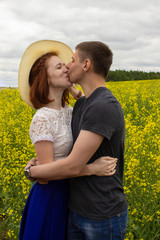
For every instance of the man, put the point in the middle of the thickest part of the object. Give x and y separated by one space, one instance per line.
98 207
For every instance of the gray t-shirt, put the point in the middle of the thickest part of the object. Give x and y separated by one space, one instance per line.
98 197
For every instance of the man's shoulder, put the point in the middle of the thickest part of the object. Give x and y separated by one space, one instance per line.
79 102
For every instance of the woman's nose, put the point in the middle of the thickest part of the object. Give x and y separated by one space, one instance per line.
65 69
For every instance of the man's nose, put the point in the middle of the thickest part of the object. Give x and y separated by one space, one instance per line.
68 65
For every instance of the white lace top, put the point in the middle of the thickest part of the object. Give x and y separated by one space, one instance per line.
55 126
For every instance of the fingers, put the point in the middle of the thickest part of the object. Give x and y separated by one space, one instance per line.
109 165
112 166
111 173
110 169
105 166
37 163
107 158
33 161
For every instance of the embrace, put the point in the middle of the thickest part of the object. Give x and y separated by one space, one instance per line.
78 193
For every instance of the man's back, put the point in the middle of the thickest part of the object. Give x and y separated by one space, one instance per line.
100 197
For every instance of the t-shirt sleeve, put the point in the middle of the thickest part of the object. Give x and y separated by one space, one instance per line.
101 119
40 129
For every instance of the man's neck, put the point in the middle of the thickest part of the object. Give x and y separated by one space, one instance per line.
89 85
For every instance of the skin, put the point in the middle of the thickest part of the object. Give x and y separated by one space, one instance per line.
87 142
58 80
82 72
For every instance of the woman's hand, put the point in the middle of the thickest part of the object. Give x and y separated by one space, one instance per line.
35 162
75 92
31 162
104 166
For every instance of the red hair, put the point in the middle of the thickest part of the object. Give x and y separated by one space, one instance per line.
39 88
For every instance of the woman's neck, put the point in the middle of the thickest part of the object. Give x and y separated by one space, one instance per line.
56 95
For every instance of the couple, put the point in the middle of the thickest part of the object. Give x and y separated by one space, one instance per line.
96 200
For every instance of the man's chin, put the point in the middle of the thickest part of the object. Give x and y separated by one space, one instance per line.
70 85
72 81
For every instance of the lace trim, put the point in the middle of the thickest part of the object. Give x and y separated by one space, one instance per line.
42 138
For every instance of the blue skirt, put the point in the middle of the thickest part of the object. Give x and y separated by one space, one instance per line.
45 213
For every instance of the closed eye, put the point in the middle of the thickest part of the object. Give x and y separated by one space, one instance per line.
59 65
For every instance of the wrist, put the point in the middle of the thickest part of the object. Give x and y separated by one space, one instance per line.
90 170
27 173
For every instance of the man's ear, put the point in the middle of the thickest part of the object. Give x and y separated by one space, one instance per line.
87 64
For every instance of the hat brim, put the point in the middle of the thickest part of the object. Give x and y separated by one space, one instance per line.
31 54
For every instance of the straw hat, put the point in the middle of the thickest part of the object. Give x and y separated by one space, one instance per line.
32 53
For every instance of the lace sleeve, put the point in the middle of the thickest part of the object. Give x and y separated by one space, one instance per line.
40 129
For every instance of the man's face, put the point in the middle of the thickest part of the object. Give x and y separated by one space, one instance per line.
75 68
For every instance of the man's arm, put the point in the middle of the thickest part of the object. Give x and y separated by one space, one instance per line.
85 146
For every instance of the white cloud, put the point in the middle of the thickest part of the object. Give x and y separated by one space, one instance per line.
130 28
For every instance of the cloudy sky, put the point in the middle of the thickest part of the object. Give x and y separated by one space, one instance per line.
130 28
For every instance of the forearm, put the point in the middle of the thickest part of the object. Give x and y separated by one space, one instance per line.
59 169
48 172
87 170
73 165
103 166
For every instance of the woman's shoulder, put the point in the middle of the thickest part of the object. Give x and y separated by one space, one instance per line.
41 127
45 114
40 114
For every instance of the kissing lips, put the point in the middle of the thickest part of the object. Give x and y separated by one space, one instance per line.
68 79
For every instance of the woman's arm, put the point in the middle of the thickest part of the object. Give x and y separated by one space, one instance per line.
45 154
103 166
42 137
44 151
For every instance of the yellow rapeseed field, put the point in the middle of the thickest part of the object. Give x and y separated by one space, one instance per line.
140 101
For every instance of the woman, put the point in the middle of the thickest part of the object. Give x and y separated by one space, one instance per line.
45 213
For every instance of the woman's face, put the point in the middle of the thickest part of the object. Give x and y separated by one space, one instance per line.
57 73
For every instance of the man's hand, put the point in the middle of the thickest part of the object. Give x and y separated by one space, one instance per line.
104 166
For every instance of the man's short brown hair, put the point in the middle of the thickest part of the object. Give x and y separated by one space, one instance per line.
99 54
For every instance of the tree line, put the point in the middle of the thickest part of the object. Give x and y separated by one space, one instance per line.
123 75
